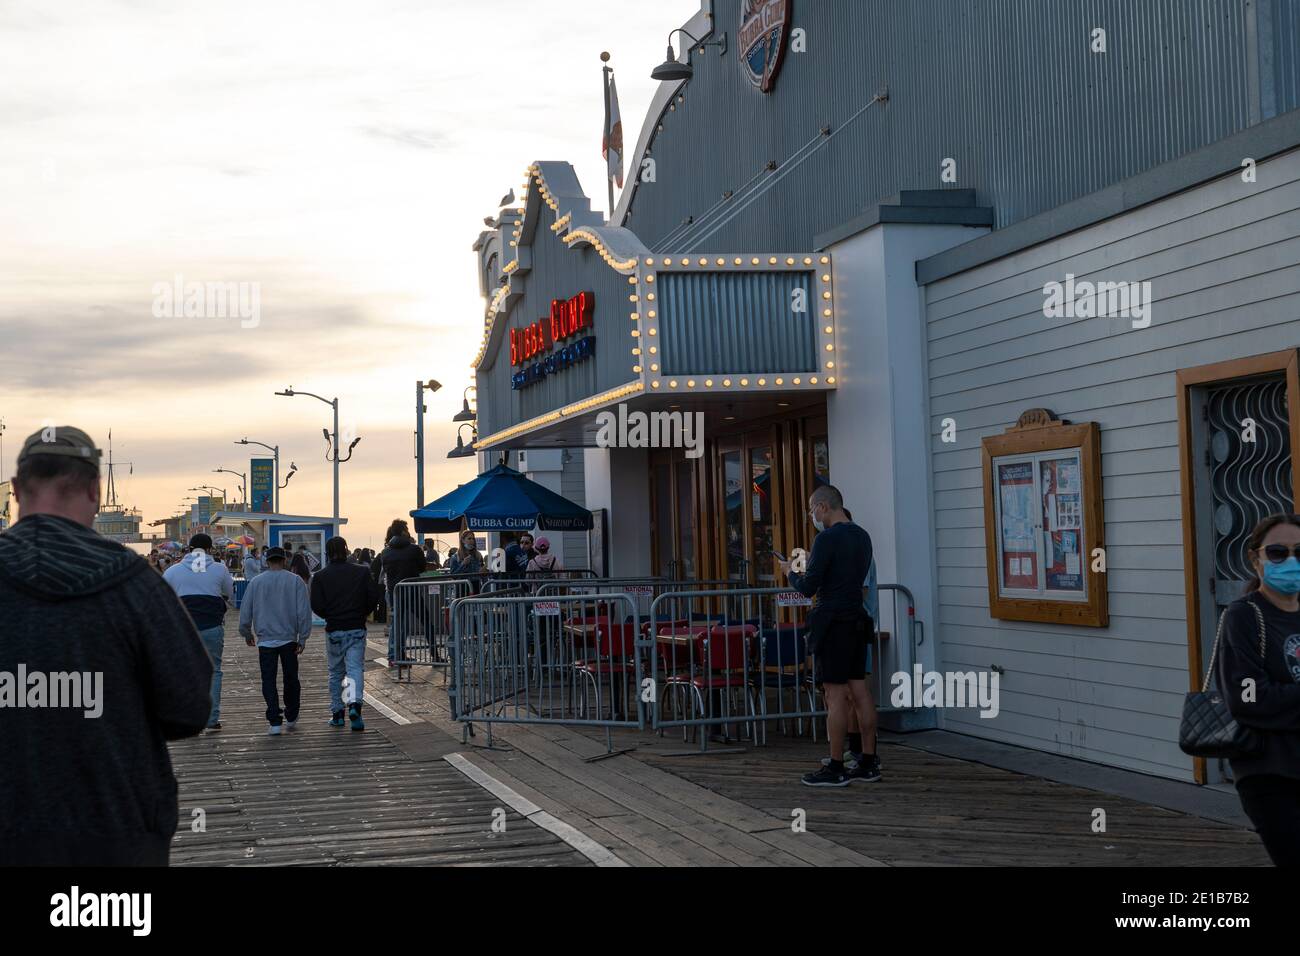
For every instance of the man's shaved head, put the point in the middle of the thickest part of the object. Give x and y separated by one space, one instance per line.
829 496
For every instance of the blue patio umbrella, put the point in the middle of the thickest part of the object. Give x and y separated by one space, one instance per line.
501 500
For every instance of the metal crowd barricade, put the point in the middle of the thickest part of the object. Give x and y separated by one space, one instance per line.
421 620
746 661
643 589
898 636
520 658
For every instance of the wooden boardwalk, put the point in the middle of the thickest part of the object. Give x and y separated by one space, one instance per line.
666 804
325 796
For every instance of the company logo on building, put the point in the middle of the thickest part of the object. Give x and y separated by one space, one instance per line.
567 319
764 28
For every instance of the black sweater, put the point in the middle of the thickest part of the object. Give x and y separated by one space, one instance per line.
1275 710
78 789
344 594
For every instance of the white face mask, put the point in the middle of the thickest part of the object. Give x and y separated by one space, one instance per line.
816 521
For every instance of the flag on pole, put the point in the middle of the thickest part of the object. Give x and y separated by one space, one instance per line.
611 147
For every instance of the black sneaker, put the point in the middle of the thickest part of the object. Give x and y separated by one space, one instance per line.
826 777
867 771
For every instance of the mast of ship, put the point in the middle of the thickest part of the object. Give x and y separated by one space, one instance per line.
112 487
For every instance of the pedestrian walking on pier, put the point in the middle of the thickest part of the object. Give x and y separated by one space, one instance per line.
344 594
276 616
206 588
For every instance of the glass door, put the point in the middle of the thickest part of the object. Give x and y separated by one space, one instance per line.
685 510
762 495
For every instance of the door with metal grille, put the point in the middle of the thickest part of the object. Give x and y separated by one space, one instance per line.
1243 473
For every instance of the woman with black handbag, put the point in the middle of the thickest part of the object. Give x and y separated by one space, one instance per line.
1263 693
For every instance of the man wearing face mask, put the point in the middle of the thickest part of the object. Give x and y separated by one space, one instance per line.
1263 693
839 631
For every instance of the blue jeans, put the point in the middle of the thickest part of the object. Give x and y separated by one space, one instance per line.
214 641
346 651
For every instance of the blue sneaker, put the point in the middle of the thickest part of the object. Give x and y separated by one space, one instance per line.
354 715
336 720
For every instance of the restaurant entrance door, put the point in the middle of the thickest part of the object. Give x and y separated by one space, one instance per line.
721 516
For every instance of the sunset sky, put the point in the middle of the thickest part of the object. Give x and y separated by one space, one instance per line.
340 155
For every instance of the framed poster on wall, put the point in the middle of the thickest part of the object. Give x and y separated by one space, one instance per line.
1043 522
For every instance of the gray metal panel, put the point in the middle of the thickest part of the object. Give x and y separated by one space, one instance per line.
1223 260
1007 88
1279 60
718 322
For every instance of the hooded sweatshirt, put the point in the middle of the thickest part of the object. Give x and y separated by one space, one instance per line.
402 559
107 667
204 586
275 610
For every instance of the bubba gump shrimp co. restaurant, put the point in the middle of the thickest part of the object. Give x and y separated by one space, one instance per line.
685 396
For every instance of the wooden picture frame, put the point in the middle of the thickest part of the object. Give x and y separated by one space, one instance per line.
1038 431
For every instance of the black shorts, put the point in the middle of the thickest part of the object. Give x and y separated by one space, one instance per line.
842 653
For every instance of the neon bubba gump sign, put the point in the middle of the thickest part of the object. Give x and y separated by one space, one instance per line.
533 349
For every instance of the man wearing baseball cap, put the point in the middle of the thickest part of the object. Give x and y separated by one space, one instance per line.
276 616
206 588
99 667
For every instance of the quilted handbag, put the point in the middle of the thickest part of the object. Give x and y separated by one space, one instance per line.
1208 728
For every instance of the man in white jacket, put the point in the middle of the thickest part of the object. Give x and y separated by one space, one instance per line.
206 588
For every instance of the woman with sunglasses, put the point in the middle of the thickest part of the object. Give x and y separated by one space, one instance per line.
1265 694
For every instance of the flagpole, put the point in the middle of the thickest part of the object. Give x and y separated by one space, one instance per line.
606 70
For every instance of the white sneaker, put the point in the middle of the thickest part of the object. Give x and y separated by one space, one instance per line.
290 726
274 730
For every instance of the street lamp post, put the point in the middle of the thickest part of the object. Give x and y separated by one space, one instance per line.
334 457
432 386
243 482
275 450
212 491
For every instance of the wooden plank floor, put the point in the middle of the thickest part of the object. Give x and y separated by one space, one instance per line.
928 810
328 796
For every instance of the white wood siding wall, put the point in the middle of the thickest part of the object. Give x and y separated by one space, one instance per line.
1224 263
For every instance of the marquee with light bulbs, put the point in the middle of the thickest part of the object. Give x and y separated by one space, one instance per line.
692 324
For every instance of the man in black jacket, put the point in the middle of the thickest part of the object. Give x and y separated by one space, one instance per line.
100 665
402 559
344 594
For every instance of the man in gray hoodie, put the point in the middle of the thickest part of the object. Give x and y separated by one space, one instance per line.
276 616
100 666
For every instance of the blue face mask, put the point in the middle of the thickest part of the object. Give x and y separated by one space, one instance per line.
1283 578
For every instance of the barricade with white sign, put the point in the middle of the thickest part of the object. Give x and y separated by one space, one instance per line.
559 659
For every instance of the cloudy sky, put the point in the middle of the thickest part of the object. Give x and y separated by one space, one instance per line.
341 156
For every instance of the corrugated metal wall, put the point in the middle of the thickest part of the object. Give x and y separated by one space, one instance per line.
714 322
1008 88
560 272
1224 261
